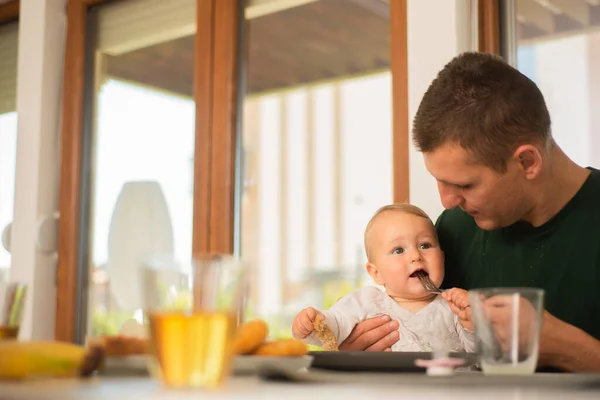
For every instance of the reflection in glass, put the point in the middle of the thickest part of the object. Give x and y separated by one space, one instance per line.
559 49
317 145
143 152
9 35
8 154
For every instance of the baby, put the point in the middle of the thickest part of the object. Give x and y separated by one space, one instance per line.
400 240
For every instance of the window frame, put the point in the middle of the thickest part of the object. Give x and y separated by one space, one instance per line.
219 90
216 20
9 11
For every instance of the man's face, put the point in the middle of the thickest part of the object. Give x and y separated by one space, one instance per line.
494 200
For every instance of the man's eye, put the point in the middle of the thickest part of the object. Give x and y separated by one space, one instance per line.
426 246
398 250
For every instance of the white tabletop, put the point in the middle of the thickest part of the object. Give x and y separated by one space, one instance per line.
406 387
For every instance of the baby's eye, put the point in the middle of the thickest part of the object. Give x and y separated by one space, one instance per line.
426 246
398 250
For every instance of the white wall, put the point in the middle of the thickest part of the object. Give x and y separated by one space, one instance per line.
42 25
437 31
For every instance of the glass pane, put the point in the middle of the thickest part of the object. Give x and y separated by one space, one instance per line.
317 145
143 152
8 137
559 49
8 153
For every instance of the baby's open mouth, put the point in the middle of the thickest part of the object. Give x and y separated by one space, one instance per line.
414 274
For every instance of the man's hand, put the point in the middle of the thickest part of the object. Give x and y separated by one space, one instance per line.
562 345
373 334
458 300
304 323
500 312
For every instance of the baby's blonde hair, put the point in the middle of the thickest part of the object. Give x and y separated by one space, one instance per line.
399 207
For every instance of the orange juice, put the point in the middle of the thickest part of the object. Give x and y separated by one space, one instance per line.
192 349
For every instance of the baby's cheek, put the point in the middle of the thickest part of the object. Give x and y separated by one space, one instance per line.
436 272
437 277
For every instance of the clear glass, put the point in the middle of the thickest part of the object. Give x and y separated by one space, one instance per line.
9 38
193 316
317 151
8 162
559 52
12 300
507 324
143 152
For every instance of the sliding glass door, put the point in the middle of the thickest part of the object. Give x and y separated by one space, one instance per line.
8 139
317 143
268 129
140 150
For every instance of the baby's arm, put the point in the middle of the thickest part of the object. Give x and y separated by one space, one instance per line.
467 337
346 313
458 299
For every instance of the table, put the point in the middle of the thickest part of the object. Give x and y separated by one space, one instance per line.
406 386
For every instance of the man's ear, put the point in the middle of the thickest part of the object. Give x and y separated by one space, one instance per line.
529 159
374 273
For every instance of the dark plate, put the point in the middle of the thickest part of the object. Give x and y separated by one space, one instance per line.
377 361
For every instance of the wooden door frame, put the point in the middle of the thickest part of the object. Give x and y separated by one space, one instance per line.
215 74
214 208
71 144
9 12
488 13
400 124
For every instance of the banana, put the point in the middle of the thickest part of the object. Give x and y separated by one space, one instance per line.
19 360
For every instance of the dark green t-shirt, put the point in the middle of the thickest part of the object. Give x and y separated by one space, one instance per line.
562 256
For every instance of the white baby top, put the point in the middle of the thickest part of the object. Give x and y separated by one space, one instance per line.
433 327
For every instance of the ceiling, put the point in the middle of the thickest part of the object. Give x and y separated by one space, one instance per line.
547 19
316 41
299 42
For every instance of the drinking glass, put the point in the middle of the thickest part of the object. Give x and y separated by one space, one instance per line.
193 315
12 300
508 325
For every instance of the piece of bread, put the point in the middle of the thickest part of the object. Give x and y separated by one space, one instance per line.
249 336
120 345
282 347
325 335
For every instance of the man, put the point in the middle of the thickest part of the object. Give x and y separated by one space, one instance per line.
518 212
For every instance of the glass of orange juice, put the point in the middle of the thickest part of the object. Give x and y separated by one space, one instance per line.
12 300
193 315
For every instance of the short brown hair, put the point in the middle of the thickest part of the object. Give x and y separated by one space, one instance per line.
485 106
399 207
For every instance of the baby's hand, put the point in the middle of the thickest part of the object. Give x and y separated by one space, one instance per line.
458 299
304 323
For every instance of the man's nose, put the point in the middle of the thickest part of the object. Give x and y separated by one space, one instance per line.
449 196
